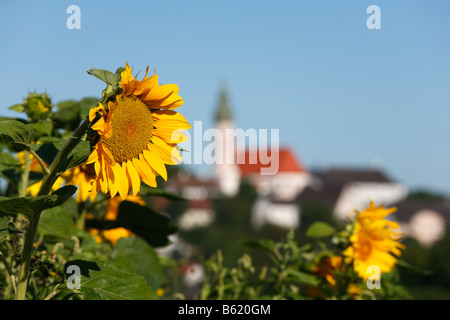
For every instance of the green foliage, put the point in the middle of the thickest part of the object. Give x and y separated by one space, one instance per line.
296 272
70 112
15 133
135 255
48 152
320 230
243 263
100 281
30 206
56 222
111 79
6 227
141 220
285 278
127 269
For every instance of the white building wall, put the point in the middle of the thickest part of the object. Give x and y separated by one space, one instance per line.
226 170
357 196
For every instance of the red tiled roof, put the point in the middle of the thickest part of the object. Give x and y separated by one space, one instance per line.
287 162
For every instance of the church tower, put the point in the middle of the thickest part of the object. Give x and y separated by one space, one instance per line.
226 170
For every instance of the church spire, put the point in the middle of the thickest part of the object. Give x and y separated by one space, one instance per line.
223 111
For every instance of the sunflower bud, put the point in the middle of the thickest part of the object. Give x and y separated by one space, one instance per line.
36 106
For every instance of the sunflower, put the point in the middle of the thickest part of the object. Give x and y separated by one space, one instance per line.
374 242
374 213
137 135
112 211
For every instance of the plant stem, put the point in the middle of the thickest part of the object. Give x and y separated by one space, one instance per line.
24 176
41 162
10 272
45 189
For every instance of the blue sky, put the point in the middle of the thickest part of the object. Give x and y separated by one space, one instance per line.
341 94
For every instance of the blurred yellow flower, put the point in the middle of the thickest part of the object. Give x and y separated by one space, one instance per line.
82 177
353 290
374 242
327 267
138 133
33 189
112 210
159 292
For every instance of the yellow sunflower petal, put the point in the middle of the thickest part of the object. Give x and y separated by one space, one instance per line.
163 150
145 172
93 157
156 163
121 180
134 177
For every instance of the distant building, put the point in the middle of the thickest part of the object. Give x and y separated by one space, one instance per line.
289 181
226 172
347 190
198 193
281 195
277 193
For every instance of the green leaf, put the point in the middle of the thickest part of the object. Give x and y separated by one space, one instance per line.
161 193
78 156
111 79
320 230
43 128
15 133
263 244
303 278
14 119
403 264
106 76
17 107
100 281
71 112
5 227
134 255
56 222
29 206
87 104
142 221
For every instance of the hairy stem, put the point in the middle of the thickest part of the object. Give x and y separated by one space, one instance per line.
24 176
12 278
41 162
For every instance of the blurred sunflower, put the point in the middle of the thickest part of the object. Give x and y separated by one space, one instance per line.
138 133
112 211
374 213
374 242
33 189
82 177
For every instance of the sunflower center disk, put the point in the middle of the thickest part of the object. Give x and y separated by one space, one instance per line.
132 126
